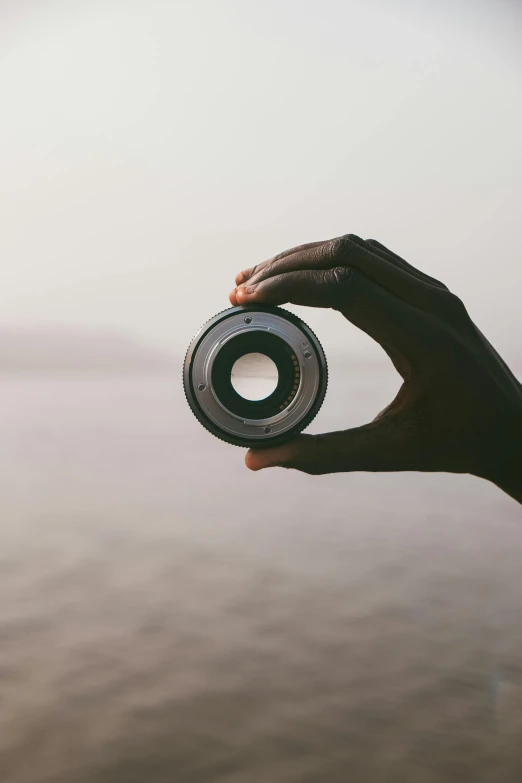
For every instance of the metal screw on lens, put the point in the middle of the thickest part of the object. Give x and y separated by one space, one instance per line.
248 319
201 386
308 355
267 430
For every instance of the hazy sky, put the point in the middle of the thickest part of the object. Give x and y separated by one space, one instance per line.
149 150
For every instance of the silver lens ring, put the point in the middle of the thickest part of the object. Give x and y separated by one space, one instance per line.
302 375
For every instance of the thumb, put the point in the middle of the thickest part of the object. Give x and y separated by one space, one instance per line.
292 454
378 446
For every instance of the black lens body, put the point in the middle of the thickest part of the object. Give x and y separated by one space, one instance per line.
275 333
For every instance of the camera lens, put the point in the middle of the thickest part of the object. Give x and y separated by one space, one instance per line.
254 376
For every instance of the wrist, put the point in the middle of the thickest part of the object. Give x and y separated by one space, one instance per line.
503 460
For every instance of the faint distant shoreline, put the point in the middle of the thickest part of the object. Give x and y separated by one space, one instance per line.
78 353
61 352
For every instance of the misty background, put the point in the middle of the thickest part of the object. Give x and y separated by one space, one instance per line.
165 614
151 150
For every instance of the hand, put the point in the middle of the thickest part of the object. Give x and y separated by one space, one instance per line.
459 409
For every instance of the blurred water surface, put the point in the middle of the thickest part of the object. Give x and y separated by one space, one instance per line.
167 616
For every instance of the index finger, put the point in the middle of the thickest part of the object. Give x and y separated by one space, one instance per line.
349 250
246 274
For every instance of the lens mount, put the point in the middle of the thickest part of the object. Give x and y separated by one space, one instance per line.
289 343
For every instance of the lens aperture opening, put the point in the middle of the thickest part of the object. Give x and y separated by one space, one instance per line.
254 376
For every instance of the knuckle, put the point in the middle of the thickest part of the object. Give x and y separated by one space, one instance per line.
434 281
350 241
330 250
342 274
455 301
354 245
452 303
338 277
340 281
338 248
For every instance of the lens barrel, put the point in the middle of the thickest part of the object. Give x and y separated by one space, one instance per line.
282 337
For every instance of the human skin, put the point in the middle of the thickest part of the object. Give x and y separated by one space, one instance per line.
459 409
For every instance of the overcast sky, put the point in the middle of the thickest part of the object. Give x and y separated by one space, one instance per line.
150 150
